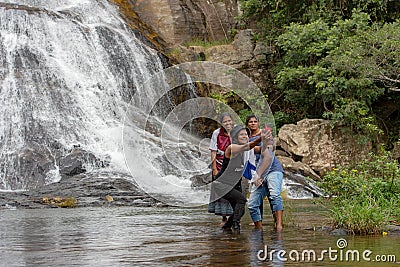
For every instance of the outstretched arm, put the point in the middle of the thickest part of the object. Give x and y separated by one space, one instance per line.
234 149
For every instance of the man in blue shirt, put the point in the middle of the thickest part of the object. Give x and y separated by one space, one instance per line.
268 183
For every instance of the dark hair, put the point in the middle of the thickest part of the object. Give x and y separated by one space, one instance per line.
235 132
251 116
223 115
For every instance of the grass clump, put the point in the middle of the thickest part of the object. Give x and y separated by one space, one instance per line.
206 44
364 198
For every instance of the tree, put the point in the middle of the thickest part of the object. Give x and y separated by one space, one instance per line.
273 15
341 71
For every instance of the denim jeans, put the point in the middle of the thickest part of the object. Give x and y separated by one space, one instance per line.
271 188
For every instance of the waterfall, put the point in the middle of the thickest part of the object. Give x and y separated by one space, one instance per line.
68 71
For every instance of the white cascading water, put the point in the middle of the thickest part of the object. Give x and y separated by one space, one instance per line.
68 71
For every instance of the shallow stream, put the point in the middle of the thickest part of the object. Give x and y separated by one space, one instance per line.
159 236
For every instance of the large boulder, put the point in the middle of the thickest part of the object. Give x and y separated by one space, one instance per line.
317 144
201 180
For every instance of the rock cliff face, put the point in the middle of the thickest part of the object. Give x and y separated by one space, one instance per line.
143 31
178 21
254 58
170 23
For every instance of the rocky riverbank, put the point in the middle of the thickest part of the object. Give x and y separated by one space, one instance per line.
83 190
104 189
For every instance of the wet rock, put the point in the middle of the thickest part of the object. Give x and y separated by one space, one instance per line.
298 186
298 167
319 229
30 9
200 180
394 229
88 189
77 161
339 232
28 166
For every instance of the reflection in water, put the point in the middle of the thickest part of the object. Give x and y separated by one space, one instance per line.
262 253
155 236
257 245
276 245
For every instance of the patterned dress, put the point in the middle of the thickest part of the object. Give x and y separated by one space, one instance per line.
220 140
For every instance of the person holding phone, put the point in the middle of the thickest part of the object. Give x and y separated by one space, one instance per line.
253 124
268 183
227 183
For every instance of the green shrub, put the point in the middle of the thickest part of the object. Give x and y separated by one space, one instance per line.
364 197
206 44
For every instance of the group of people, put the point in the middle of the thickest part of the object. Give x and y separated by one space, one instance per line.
230 147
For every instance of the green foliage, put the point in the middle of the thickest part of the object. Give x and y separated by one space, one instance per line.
243 115
356 115
367 217
366 195
232 33
175 52
338 60
273 15
220 97
282 118
340 71
302 77
305 44
206 44
222 100
362 70
372 54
